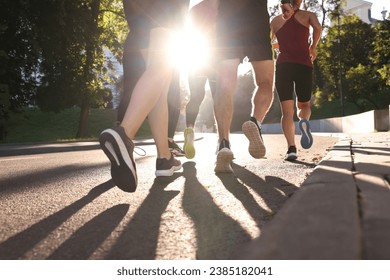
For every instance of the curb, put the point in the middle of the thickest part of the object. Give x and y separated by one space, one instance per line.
342 211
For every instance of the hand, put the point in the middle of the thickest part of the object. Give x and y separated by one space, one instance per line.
313 53
287 10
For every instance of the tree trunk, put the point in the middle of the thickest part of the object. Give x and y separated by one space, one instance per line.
90 46
83 122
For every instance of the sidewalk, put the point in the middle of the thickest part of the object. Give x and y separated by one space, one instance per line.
342 211
39 148
56 147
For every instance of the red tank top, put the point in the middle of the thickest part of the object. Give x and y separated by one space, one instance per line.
293 39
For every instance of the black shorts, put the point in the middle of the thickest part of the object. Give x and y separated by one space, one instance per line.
288 75
243 30
144 15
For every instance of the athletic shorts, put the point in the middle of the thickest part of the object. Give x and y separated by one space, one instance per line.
243 30
293 75
144 15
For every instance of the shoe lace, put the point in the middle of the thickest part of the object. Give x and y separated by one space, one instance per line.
142 153
174 145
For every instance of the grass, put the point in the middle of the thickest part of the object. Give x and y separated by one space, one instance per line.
33 125
333 109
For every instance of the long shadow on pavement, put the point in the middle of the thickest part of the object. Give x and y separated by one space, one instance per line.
16 246
217 234
83 243
54 174
241 192
273 190
138 241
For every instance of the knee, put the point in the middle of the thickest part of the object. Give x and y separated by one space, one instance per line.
303 105
287 114
265 81
287 110
226 86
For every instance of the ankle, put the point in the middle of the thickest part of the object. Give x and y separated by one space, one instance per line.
253 119
167 156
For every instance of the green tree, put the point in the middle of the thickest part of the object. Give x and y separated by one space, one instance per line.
57 53
362 85
356 39
76 68
19 53
380 52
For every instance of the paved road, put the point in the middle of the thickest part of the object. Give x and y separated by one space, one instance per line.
63 205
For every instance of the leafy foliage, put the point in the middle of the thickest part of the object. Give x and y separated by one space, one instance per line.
361 61
56 52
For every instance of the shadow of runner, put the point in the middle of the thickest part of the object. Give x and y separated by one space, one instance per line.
16 246
217 233
368 150
138 241
274 190
88 238
297 161
28 180
241 192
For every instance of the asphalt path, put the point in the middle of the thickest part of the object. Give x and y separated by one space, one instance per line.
64 205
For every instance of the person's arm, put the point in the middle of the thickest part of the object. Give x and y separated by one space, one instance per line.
317 29
274 41
204 14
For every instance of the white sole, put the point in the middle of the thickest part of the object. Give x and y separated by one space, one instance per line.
224 160
167 172
291 156
256 146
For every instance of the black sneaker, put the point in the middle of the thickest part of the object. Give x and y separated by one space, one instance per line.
166 167
119 150
175 149
224 158
291 153
253 132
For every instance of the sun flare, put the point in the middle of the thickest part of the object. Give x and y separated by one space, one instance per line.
189 50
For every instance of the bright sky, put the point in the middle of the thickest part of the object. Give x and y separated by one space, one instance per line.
376 9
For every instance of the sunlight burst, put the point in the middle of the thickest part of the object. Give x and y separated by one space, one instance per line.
189 50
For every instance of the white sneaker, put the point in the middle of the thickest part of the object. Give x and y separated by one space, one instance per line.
224 158
253 133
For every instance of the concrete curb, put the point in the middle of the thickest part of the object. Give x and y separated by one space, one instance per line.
342 211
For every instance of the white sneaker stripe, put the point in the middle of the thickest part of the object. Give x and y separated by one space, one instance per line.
123 151
110 148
